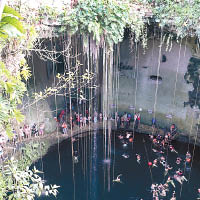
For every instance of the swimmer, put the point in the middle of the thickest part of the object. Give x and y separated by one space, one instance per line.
179 172
138 158
163 193
173 196
151 137
188 154
172 149
162 161
118 180
154 150
169 180
188 157
128 135
75 159
73 139
167 168
120 137
180 179
198 195
178 160
154 141
153 186
125 145
155 163
162 158
125 155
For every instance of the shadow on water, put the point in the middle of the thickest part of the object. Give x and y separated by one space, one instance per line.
90 179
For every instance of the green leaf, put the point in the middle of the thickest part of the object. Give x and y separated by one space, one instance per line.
14 22
11 11
3 34
11 31
18 115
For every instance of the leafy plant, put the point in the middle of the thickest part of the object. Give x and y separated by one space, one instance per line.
12 89
10 24
32 152
180 17
22 184
104 20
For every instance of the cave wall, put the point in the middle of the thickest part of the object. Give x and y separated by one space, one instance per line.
146 62
43 76
135 71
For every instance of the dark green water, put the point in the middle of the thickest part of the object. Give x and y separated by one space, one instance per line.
91 177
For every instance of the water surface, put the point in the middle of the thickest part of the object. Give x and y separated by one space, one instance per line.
93 174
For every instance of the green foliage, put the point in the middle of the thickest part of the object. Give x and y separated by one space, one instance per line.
10 24
12 76
17 184
18 181
12 89
32 152
181 17
106 21
10 11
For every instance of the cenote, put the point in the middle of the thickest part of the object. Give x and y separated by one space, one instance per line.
98 165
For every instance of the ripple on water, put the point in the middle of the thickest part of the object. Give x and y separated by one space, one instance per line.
107 161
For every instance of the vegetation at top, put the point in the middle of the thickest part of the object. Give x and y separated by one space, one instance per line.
179 16
106 20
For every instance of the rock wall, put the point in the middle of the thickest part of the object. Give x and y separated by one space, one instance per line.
138 82
43 76
138 88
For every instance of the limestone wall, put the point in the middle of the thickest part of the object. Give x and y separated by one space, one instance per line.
136 88
135 73
45 110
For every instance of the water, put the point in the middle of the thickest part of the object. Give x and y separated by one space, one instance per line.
91 172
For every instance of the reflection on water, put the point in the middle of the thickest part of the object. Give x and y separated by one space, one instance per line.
137 177
94 169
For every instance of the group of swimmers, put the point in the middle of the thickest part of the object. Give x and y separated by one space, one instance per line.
161 144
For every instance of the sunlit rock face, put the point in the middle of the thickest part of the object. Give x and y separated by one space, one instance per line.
154 79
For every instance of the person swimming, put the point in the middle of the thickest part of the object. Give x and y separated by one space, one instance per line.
128 135
155 161
179 178
155 151
173 196
167 168
120 137
125 144
198 195
188 157
169 180
179 172
178 160
75 159
162 161
138 158
172 149
125 155
118 180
